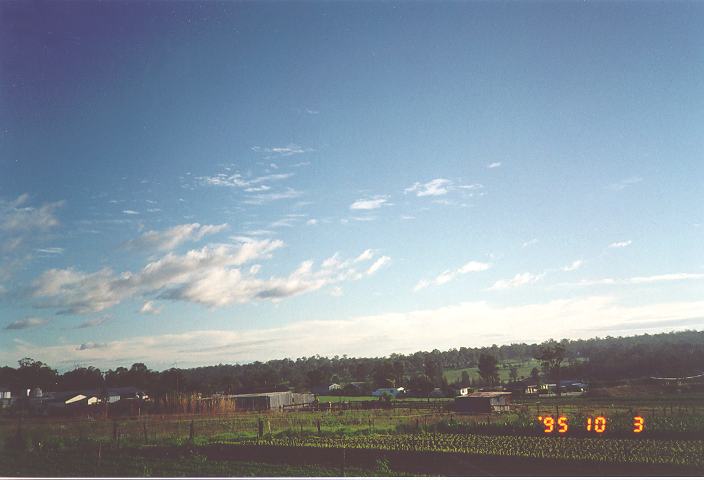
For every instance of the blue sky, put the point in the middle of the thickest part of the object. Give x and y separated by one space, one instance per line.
198 183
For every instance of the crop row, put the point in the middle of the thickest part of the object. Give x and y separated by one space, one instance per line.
648 451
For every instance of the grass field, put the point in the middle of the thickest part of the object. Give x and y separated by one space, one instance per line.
524 368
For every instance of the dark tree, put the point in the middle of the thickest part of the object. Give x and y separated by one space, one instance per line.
551 354
489 369
421 385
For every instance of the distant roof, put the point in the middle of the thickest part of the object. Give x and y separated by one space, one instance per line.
487 394
267 394
122 390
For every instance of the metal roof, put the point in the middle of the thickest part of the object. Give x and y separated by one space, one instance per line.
486 394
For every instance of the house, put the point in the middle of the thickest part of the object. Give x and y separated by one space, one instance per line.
391 392
567 387
523 387
115 394
5 397
483 402
332 389
463 391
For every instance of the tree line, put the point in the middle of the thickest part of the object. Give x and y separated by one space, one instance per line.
596 359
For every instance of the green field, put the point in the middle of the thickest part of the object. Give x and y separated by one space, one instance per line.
524 368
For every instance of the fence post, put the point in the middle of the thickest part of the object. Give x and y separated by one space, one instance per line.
344 460
114 430
191 432
144 428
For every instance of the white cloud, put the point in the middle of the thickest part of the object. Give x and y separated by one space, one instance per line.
449 275
312 221
621 244
435 187
379 263
28 322
379 334
368 254
17 217
210 276
494 165
262 198
626 182
170 238
150 308
573 266
518 280
530 242
277 152
130 212
50 250
666 277
336 291
370 203
474 266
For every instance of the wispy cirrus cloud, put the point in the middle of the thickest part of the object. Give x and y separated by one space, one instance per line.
27 322
442 186
94 322
237 180
621 244
517 280
449 275
262 198
637 280
378 264
433 188
494 165
626 182
370 203
286 151
49 250
573 266
171 238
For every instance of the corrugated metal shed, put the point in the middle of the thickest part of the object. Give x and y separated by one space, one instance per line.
271 400
484 402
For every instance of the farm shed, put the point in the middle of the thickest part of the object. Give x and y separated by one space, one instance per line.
272 400
484 402
5 397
